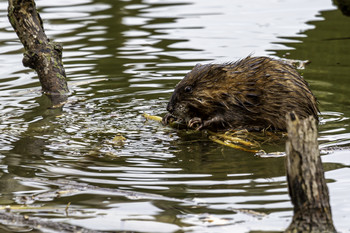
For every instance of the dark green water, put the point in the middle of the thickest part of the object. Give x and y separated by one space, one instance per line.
123 58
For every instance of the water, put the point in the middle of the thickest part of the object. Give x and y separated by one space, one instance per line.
123 58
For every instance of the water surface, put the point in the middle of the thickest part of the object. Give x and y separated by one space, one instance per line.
123 58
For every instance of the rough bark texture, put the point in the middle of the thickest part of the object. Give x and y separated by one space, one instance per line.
305 175
40 53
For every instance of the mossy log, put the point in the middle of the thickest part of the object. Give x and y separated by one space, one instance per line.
306 183
40 53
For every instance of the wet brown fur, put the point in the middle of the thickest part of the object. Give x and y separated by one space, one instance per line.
254 93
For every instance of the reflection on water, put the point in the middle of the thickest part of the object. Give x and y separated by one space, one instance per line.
326 48
161 178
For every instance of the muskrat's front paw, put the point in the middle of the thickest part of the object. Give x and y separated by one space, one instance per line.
168 118
195 123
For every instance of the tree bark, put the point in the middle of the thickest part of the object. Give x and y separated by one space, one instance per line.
40 53
306 183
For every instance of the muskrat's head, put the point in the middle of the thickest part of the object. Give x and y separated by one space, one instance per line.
198 94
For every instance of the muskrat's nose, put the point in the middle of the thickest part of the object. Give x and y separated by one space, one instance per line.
170 107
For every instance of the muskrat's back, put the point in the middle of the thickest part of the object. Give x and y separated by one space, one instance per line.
254 93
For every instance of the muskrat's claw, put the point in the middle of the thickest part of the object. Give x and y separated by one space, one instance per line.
168 118
195 123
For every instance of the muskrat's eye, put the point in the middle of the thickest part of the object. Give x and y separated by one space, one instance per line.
188 89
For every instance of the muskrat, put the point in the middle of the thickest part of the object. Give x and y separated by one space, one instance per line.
254 93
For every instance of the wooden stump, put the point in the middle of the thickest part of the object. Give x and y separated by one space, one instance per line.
306 183
40 53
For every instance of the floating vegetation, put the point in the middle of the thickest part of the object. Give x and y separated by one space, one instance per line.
241 140
153 118
173 124
232 144
118 140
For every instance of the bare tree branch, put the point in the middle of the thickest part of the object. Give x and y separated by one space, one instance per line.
40 53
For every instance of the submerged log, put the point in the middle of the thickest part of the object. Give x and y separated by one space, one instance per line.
40 53
30 223
306 183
